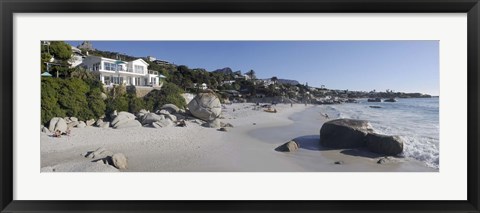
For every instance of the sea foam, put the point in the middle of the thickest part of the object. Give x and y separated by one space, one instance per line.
415 120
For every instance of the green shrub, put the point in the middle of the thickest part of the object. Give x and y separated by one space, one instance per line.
118 90
119 103
168 94
96 103
71 97
135 104
49 100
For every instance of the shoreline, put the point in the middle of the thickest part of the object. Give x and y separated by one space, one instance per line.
199 149
316 158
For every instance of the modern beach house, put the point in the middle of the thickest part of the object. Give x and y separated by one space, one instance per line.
114 71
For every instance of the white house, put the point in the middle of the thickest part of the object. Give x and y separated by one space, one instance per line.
202 86
228 82
77 57
151 58
114 71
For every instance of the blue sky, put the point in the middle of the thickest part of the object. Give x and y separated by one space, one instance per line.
407 66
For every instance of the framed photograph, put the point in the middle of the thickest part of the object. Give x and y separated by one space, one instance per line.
162 106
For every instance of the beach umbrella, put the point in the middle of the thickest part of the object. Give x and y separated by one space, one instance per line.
161 76
46 74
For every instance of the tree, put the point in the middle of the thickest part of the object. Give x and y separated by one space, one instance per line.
169 94
119 103
274 79
49 100
60 50
251 74
45 58
183 69
81 73
96 103
73 99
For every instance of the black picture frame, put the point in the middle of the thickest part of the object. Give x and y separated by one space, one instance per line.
9 7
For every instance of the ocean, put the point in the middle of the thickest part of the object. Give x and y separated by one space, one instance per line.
416 120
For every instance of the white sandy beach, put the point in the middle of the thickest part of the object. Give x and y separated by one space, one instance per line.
247 147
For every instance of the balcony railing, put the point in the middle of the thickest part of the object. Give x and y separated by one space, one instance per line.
135 71
126 70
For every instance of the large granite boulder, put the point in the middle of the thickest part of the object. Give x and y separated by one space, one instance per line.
72 124
52 123
81 124
45 130
171 117
122 118
384 144
150 118
171 108
128 124
163 123
57 124
205 106
142 113
344 133
99 122
90 122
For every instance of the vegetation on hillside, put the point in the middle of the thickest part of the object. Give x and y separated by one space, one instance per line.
60 51
169 94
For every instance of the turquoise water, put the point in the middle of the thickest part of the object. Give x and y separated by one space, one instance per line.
416 120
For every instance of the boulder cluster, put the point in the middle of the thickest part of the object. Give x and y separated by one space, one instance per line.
205 109
63 125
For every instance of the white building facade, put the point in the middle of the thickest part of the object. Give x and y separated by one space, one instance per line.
113 71
77 57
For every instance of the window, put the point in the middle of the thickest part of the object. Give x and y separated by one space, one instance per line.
96 66
110 66
139 69
117 80
107 80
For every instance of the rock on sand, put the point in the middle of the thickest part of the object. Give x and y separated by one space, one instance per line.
120 161
384 144
344 133
171 108
205 106
125 120
57 124
81 124
288 147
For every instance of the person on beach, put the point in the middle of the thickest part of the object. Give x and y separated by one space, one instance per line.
326 116
57 134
